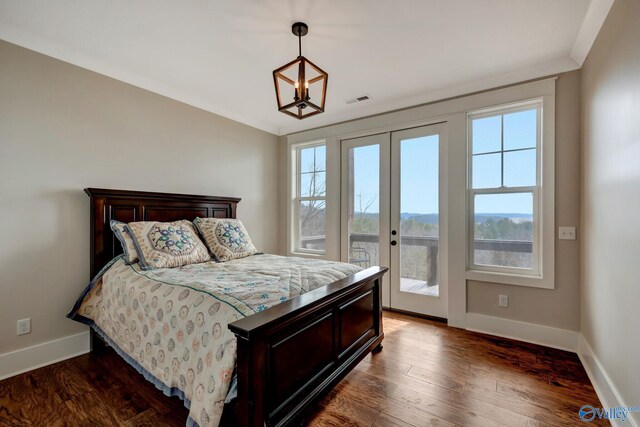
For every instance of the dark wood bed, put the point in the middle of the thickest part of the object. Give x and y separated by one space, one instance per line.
288 355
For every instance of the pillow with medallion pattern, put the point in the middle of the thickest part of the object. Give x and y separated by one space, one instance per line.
226 239
128 247
167 244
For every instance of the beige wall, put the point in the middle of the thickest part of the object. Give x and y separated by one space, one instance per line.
63 128
611 199
558 307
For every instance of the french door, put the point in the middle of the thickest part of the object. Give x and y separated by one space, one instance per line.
392 194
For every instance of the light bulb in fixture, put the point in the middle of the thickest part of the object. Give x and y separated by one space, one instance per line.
302 99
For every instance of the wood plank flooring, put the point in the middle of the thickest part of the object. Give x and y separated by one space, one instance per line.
426 375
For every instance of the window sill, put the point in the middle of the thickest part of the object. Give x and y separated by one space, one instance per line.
511 279
308 254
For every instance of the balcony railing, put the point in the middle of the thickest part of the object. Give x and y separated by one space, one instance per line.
360 241
479 244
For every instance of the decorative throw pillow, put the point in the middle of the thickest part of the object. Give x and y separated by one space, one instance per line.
167 244
227 239
128 247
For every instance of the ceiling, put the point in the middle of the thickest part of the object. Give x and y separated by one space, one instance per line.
218 55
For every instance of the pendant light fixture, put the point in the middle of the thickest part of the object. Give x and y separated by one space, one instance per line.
301 86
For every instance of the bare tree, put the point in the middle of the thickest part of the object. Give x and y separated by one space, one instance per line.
363 207
368 203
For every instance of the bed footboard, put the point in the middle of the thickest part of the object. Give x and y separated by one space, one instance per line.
290 354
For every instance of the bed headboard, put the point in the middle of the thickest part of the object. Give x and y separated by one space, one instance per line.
128 206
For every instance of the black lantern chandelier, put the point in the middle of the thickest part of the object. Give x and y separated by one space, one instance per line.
301 81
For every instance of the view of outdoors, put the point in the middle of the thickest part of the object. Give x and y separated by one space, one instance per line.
418 234
504 239
364 200
312 192
503 181
419 214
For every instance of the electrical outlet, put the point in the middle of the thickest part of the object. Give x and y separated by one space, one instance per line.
503 300
567 233
24 326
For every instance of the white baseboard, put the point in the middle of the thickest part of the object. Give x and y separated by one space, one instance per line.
30 358
562 339
605 388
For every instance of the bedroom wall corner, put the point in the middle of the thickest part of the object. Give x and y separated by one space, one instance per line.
64 128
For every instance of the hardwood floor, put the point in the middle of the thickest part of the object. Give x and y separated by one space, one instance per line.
427 374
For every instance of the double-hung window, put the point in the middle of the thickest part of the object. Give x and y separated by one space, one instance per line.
505 191
309 198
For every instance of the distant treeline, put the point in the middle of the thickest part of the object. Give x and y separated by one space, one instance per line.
489 226
432 218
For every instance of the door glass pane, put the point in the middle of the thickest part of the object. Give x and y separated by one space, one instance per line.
419 215
364 205
520 168
312 224
503 230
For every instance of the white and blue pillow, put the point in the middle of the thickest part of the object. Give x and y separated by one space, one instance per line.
226 239
167 244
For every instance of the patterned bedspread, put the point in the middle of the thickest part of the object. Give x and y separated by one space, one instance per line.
171 323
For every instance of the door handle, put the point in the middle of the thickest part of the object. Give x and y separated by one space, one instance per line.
393 243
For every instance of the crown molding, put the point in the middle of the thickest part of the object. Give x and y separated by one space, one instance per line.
591 25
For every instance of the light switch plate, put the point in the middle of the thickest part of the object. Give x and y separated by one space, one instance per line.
567 233
503 300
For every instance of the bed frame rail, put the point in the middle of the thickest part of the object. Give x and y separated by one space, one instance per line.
290 354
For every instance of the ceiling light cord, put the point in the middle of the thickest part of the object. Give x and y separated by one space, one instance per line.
299 42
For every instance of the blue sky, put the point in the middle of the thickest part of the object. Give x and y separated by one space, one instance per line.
419 167
419 175
366 169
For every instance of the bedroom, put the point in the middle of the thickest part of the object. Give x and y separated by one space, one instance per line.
510 294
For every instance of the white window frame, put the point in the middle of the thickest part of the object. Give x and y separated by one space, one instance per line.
541 274
296 198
